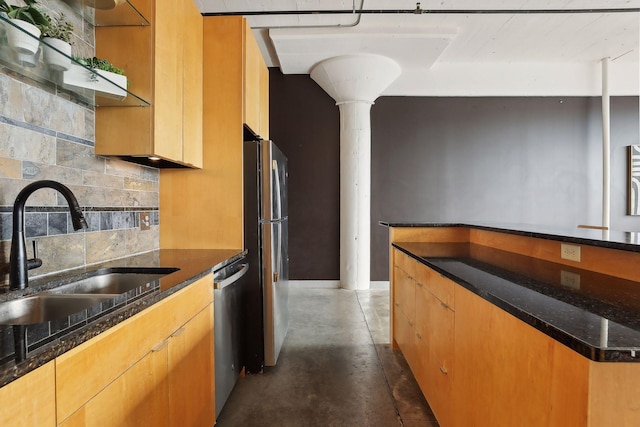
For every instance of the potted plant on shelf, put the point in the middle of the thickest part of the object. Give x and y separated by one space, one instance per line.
104 78
57 36
28 22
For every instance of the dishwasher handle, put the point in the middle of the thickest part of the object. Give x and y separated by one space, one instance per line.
219 284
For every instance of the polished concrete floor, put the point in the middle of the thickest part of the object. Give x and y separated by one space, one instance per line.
336 369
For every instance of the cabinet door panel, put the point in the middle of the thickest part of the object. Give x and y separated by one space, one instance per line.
139 397
264 101
30 400
404 334
168 60
253 64
191 372
503 367
435 330
192 81
404 294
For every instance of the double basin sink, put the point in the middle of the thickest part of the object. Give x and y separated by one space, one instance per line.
71 298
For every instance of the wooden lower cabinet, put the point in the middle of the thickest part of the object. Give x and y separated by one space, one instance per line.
155 368
138 397
478 365
509 373
423 330
30 400
434 336
191 372
170 386
503 367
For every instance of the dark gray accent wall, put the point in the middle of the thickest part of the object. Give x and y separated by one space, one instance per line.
508 160
304 122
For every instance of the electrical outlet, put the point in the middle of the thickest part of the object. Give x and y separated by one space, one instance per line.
570 252
570 279
145 221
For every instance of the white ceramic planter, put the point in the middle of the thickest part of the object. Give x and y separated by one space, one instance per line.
28 59
78 77
103 4
19 40
57 53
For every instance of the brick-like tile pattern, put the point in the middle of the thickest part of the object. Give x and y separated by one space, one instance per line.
46 135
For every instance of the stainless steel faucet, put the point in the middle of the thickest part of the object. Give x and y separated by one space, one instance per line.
19 264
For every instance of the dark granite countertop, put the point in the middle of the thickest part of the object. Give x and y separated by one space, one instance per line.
595 314
46 341
623 240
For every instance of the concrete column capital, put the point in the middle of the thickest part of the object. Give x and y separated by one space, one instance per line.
355 78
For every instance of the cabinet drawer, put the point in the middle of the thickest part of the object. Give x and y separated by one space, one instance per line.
404 294
404 334
437 284
85 370
405 263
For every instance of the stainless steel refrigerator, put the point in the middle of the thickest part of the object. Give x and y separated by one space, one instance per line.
266 309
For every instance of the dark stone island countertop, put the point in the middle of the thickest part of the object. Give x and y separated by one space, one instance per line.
596 315
46 341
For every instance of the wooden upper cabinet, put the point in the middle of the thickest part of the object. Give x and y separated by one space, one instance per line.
198 219
163 63
192 85
256 86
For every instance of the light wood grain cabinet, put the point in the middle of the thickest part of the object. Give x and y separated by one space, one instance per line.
139 396
191 372
30 400
256 86
198 219
509 373
136 373
435 343
163 62
404 309
424 330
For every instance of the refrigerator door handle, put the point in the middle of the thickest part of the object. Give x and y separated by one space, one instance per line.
276 176
273 221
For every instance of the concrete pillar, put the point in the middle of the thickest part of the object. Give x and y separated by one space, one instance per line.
355 81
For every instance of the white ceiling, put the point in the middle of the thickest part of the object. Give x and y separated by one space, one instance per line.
458 54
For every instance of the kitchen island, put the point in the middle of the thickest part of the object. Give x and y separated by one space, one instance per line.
500 328
147 352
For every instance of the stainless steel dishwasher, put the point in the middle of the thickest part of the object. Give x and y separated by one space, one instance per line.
228 292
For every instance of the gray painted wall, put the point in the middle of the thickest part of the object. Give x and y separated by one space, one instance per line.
514 160
305 124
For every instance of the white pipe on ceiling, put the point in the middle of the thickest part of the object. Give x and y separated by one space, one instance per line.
606 146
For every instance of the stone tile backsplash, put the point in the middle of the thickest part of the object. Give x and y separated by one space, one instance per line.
46 135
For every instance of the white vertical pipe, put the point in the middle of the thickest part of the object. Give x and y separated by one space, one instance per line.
606 145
